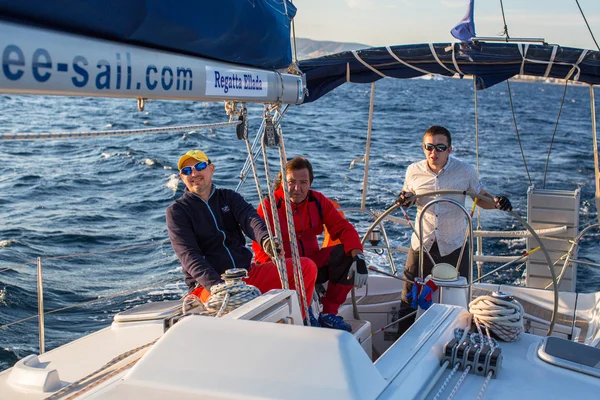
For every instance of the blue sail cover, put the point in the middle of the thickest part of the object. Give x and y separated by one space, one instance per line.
491 63
249 32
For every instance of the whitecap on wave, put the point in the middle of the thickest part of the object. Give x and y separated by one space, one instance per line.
134 300
513 243
173 182
109 155
165 292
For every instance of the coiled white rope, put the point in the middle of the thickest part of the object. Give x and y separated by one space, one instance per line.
226 297
189 300
504 318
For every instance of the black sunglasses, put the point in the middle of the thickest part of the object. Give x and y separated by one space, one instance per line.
440 148
201 166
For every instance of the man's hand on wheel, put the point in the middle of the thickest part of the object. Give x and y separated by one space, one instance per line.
502 203
406 199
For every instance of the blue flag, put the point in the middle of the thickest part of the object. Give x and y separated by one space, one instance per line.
465 29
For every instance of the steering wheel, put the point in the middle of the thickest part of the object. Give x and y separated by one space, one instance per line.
515 215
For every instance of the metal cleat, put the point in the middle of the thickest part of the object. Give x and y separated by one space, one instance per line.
471 357
461 354
495 362
450 353
482 360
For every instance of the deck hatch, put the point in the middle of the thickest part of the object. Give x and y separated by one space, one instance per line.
571 355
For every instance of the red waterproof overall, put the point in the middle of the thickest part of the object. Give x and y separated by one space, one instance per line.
333 262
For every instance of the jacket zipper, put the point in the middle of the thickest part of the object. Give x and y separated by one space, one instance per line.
217 225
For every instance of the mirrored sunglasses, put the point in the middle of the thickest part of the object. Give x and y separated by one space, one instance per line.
440 148
201 166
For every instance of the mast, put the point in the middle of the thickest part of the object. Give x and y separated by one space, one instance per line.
368 149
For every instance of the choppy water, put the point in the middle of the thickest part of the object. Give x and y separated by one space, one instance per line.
78 196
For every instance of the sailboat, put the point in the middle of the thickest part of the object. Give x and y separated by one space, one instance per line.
178 349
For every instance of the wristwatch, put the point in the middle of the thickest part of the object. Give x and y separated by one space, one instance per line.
360 256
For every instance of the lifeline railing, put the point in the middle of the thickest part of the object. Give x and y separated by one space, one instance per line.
40 287
507 261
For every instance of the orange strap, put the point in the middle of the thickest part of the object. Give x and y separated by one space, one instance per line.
327 242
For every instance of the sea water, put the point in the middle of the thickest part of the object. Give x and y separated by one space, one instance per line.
90 196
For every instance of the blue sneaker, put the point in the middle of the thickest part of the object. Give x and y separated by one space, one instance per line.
334 322
312 319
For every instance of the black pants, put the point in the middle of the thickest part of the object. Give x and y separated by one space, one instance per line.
333 265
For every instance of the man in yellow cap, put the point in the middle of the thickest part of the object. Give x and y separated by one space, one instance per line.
207 225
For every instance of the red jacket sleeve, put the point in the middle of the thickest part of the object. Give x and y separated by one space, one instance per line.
259 254
338 226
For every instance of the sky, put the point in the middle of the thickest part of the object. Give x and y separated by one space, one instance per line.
390 22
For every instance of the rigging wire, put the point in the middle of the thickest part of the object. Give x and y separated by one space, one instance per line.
111 133
74 255
476 105
120 294
512 109
588 25
554 133
505 31
279 260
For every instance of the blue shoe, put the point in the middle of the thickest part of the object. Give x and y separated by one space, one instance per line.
334 322
312 319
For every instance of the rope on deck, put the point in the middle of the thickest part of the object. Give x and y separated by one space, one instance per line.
502 317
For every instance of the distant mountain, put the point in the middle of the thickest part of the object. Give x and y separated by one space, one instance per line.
308 48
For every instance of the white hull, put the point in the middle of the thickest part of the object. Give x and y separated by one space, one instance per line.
237 357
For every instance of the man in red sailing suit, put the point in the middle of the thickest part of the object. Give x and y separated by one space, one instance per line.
342 265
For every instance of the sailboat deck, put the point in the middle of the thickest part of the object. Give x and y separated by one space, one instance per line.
523 375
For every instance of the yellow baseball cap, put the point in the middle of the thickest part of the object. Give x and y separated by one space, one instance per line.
197 155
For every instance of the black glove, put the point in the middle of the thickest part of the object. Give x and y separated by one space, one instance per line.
358 270
406 199
268 248
502 203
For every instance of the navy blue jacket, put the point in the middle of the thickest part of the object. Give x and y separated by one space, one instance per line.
208 236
